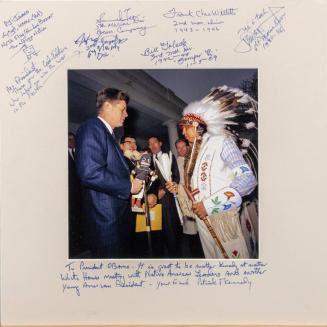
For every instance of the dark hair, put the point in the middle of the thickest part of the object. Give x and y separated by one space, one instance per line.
71 134
201 129
125 137
164 147
109 94
155 137
181 140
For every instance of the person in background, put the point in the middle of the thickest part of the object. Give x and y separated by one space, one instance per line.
128 146
171 225
76 245
192 245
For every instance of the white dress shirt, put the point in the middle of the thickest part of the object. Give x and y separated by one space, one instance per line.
111 131
71 153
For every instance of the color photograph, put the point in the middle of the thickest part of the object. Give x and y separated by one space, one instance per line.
163 163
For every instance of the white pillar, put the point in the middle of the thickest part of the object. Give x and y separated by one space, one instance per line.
172 134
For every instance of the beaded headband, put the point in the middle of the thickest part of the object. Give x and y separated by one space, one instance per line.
191 119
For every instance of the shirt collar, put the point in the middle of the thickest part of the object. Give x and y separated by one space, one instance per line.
107 125
158 155
70 150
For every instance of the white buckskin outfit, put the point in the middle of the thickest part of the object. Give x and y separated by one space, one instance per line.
213 179
222 177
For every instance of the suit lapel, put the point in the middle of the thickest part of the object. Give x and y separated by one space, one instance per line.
114 143
162 180
122 159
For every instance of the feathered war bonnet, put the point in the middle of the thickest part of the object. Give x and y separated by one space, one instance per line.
221 109
226 111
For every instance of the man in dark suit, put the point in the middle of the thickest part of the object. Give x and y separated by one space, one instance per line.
104 175
171 225
75 202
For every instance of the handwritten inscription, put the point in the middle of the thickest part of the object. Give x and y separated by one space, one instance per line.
125 22
99 47
263 28
19 31
20 34
83 276
179 52
112 33
33 77
198 20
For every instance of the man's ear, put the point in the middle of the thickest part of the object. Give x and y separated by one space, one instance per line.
160 144
107 106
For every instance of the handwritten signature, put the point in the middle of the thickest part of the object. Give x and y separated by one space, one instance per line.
112 33
264 27
179 52
99 46
161 276
198 20
19 31
199 13
34 76
126 22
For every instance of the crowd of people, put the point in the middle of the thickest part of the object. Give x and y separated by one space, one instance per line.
200 203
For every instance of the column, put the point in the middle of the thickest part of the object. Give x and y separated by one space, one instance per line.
172 134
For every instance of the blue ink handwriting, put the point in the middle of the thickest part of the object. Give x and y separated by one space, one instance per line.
111 33
179 52
85 276
125 22
200 13
262 29
19 31
99 46
74 288
198 20
34 76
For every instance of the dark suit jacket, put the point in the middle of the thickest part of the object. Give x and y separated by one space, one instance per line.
75 210
174 171
171 225
104 175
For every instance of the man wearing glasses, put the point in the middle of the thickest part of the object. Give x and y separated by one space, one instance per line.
128 146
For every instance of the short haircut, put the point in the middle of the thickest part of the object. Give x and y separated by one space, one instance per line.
181 140
109 94
155 137
71 134
125 137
